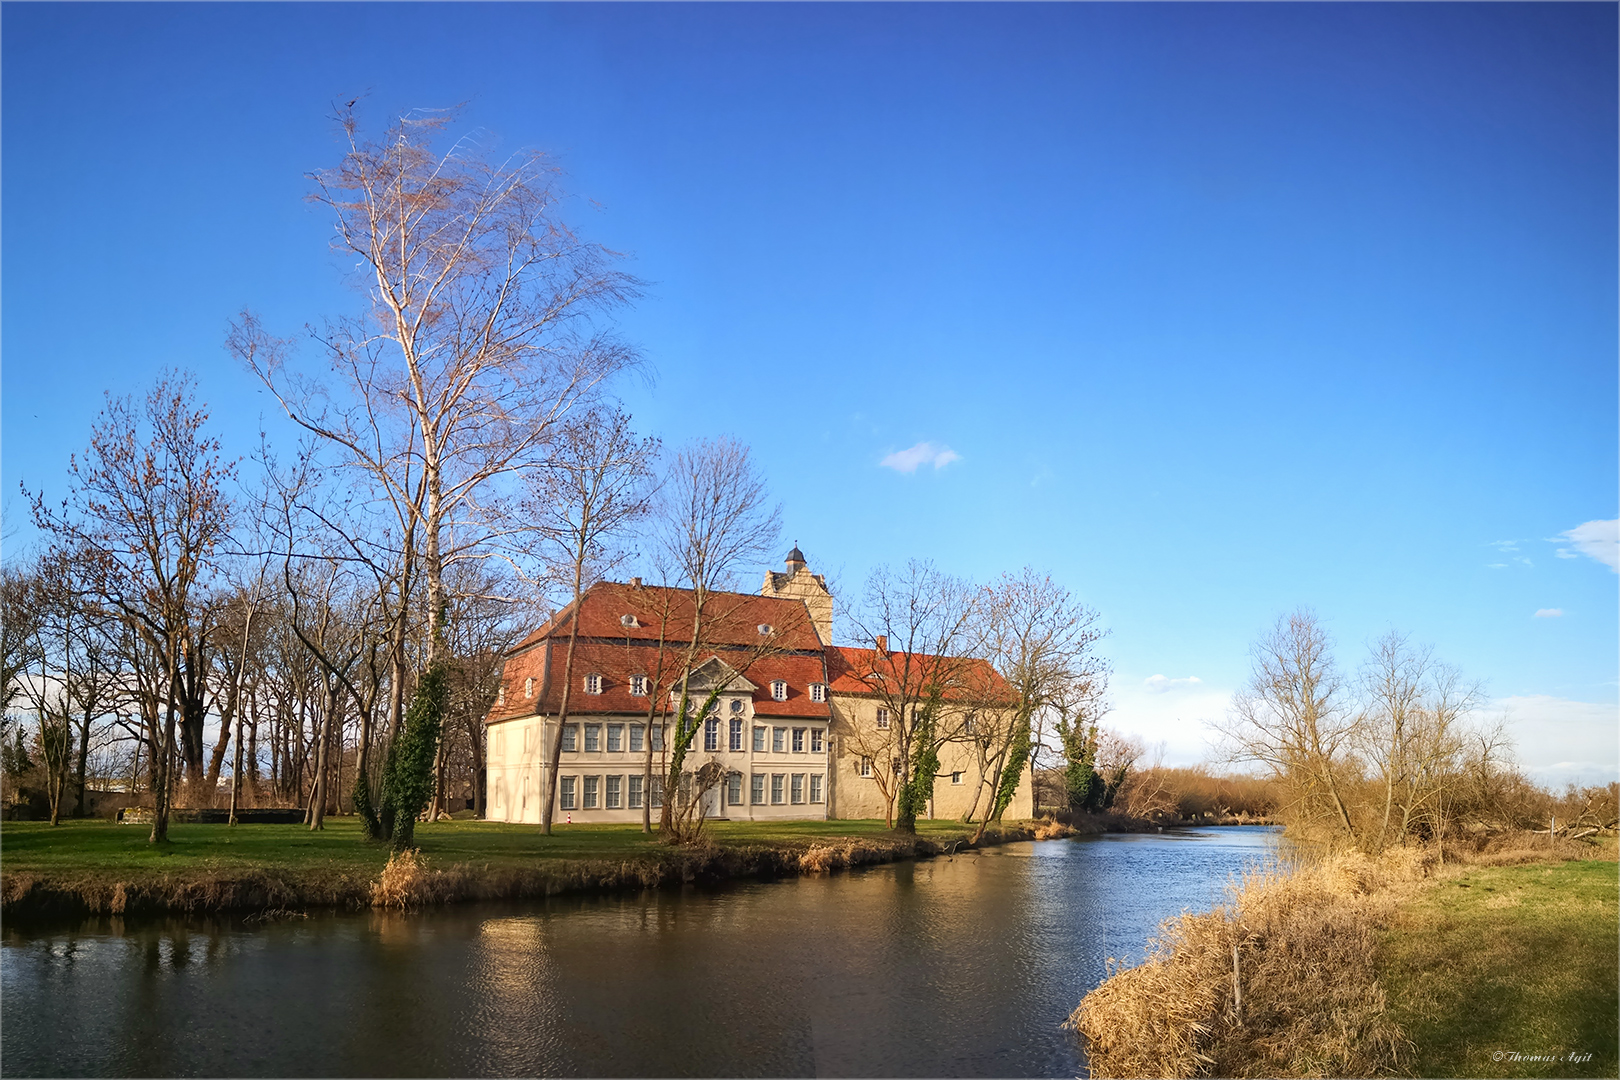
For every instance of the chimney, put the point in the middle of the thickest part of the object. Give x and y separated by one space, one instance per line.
883 644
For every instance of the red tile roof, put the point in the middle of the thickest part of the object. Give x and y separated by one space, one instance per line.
607 647
854 671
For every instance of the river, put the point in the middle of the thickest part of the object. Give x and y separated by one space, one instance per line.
962 966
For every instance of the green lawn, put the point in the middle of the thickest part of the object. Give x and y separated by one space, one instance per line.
1510 960
77 847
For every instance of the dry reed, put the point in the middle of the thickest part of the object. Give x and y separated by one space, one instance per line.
1311 1005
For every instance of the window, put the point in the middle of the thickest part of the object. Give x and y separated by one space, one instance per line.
759 740
615 738
815 740
615 785
711 734
967 726
778 690
638 738
655 793
523 806
593 738
866 766
818 691
593 684
500 695
528 687
736 736
734 789
756 789
528 740
956 778
797 787
815 787
778 739
565 794
633 801
776 787
570 737
638 685
736 706
798 740
592 785
883 719
658 742
500 744
500 794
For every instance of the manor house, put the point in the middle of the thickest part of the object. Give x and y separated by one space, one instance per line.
798 730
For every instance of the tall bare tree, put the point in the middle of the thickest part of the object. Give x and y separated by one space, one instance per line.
915 628
1295 719
144 516
597 481
478 339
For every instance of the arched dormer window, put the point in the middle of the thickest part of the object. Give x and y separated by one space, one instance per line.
778 689
593 683
528 687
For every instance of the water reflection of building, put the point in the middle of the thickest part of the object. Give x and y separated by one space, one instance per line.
796 730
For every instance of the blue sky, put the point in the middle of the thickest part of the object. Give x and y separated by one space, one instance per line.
1210 310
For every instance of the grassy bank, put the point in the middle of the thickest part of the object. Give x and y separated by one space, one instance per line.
92 867
1355 967
1511 960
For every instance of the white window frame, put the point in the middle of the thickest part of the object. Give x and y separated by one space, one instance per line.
796 789
798 740
816 788
778 740
883 719
591 797
817 740
756 789
736 742
593 738
956 778
778 789
657 731
500 694
570 738
615 738
568 792
638 686
632 795
593 683
613 793
759 738
711 735
528 687
638 738
736 706
779 690
818 692
866 768
734 795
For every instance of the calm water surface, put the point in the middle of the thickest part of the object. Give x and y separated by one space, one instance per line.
954 967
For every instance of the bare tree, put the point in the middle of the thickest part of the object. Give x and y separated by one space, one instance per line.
143 519
478 339
597 481
1294 719
1042 643
717 518
914 626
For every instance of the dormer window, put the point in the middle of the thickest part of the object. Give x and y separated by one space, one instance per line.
528 687
818 691
593 683
500 694
628 622
778 690
765 629
638 685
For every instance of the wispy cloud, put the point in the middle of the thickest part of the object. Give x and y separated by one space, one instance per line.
1599 540
1548 613
1163 684
1508 549
924 453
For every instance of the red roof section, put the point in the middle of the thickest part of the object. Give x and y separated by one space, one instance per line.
791 652
851 671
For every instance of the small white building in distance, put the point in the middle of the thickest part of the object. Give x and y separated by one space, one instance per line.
797 728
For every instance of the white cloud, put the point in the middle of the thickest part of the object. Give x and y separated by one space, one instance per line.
1560 741
1548 613
924 453
1598 539
1163 684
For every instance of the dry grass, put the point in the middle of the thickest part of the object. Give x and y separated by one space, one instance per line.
1311 1003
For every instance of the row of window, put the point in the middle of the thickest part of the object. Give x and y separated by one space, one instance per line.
595 684
608 792
783 740
866 770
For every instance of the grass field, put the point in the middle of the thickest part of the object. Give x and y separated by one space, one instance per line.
1509 960
76 848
